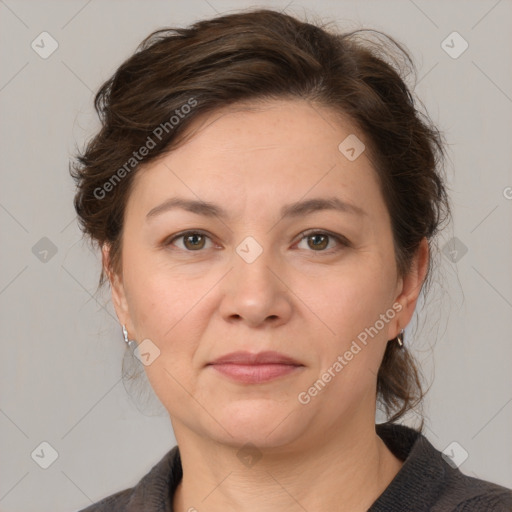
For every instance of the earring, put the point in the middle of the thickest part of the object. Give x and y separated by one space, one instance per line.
131 343
400 339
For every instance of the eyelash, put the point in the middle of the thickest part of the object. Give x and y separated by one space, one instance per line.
305 234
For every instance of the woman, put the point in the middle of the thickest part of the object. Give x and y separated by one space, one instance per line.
265 195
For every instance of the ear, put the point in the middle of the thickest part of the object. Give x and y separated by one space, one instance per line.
410 289
117 287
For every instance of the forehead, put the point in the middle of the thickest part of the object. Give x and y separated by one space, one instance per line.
260 126
262 153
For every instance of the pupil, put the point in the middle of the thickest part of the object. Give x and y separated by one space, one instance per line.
192 239
321 243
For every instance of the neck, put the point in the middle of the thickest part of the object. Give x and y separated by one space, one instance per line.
346 471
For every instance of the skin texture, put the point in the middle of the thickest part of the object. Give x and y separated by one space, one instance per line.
196 304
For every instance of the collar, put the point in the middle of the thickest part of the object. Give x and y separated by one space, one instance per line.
419 481
415 486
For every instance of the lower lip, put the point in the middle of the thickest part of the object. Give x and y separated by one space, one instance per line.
255 373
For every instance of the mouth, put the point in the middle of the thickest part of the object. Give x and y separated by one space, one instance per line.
251 368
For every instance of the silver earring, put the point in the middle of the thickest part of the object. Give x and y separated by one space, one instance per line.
131 343
400 339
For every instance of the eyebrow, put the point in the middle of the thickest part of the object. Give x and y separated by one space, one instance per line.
297 209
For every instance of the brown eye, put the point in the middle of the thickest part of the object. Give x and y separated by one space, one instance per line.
193 241
319 241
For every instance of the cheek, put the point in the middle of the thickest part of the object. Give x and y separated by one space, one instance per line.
353 295
159 302
350 304
172 308
167 310
158 296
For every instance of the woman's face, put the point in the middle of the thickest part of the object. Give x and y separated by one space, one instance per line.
251 280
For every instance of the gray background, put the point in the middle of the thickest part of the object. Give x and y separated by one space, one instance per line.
62 348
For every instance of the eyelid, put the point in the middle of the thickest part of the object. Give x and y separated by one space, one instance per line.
170 239
342 240
309 232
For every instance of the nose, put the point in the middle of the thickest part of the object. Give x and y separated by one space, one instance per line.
256 293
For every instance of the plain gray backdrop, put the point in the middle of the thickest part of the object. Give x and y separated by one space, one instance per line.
61 344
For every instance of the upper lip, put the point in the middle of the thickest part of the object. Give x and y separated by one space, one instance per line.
268 357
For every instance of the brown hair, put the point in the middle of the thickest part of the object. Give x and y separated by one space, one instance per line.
178 74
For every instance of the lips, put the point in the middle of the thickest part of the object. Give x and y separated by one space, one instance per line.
251 368
247 358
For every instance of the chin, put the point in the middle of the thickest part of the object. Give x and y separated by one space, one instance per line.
262 422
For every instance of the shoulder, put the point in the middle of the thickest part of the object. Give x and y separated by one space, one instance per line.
429 480
115 503
153 493
463 493
467 494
